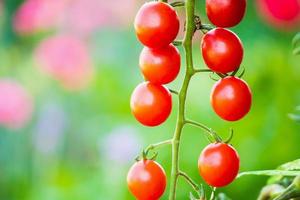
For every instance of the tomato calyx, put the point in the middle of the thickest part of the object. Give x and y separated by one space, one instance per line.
228 140
146 155
177 4
239 72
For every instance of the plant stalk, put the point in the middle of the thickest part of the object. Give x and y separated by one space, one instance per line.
187 44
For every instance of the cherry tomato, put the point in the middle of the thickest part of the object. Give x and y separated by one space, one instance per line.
231 98
219 164
225 13
151 104
146 180
161 65
156 24
280 14
222 50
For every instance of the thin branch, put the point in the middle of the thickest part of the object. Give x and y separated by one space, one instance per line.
158 145
207 130
201 70
190 181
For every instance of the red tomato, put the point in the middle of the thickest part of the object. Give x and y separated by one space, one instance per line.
222 50
146 180
231 98
151 104
284 14
156 24
225 13
219 164
161 65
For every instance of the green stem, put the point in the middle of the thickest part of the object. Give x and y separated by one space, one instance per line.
207 130
187 44
158 145
201 70
213 191
190 181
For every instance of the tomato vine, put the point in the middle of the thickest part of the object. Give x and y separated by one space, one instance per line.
151 103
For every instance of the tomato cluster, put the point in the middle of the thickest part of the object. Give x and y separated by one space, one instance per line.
156 26
222 51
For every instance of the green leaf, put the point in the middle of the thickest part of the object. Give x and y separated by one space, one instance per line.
296 44
296 40
270 173
294 117
296 51
222 196
293 165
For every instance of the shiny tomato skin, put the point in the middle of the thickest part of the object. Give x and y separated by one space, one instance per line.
151 104
160 66
231 98
146 180
156 24
219 164
222 50
225 13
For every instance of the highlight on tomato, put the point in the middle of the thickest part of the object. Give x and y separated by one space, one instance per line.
225 13
222 50
146 180
156 24
218 164
160 66
151 104
231 98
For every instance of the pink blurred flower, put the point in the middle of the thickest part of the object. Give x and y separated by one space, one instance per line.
282 14
66 59
85 16
37 15
121 145
16 105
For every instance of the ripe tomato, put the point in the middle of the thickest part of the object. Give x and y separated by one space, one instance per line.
219 164
156 24
151 104
281 14
146 180
161 65
231 98
222 50
225 13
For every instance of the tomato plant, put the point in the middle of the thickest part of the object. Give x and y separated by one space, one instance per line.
146 180
231 98
151 104
225 13
160 65
222 50
219 164
156 24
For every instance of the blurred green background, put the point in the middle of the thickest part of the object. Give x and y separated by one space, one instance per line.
80 141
